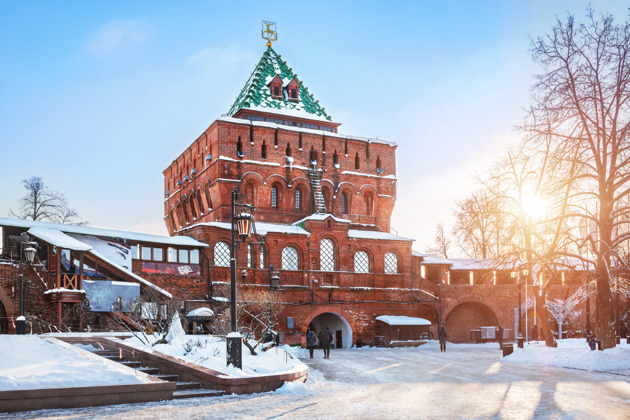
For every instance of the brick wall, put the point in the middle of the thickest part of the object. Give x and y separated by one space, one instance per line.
205 195
35 302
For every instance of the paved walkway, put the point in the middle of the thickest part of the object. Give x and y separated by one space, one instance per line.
464 382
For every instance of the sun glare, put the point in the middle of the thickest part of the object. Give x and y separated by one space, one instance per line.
534 206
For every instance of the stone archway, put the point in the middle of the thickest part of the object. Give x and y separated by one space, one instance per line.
337 325
468 316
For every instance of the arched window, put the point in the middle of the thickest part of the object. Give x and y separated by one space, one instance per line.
345 148
250 257
326 194
274 197
335 159
298 199
288 151
391 263
367 150
327 255
262 257
249 193
207 188
361 262
191 202
199 202
185 210
369 204
357 161
263 150
290 259
239 148
300 141
221 254
344 203
379 166
313 156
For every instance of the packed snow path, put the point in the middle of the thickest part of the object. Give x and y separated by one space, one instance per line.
467 381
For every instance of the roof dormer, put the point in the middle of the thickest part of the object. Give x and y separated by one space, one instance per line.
276 87
293 90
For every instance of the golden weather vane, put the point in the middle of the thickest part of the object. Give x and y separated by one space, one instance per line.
268 32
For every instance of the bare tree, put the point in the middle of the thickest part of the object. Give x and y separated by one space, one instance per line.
581 102
42 203
441 244
479 226
258 316
152 314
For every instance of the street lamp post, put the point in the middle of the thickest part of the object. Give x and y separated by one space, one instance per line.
242 225
29 253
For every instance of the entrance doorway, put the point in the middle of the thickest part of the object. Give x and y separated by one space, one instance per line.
337 325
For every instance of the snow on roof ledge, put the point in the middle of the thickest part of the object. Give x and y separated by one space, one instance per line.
306 130
103 232
200 312
58 239
430 258
383 236
262 228
320 217
402 320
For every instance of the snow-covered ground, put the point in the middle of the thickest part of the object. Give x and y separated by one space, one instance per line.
573 353
28 362
31 362
467 381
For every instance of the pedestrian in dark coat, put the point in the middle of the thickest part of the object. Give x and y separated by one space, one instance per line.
325 338
500 337
311 341
535 332
442 336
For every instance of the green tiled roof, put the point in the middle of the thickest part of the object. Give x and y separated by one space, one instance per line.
257 95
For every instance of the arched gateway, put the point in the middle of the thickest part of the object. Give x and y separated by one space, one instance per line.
337 324
468 316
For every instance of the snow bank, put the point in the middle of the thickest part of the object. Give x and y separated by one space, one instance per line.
572 353
210 352
28 362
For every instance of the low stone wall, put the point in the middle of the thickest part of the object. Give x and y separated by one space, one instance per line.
39 399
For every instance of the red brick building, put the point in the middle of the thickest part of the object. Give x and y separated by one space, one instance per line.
323 203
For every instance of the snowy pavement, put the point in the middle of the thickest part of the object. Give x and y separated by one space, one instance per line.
467 381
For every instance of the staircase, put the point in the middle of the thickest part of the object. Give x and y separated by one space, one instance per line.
183 390
316 187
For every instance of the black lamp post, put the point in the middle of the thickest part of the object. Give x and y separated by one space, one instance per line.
242 225
27 251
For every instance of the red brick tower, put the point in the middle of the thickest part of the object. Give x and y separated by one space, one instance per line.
284 151
323 202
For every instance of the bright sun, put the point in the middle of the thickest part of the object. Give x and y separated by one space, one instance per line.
534 206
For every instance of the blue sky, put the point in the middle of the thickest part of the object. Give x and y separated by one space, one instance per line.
98 97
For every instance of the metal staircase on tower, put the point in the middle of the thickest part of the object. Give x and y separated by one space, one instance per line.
316 187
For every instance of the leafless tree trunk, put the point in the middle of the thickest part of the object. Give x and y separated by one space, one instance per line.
581 103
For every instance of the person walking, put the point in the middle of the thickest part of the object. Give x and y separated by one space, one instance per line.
442 336
325 338
311 341
500 337
535 332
